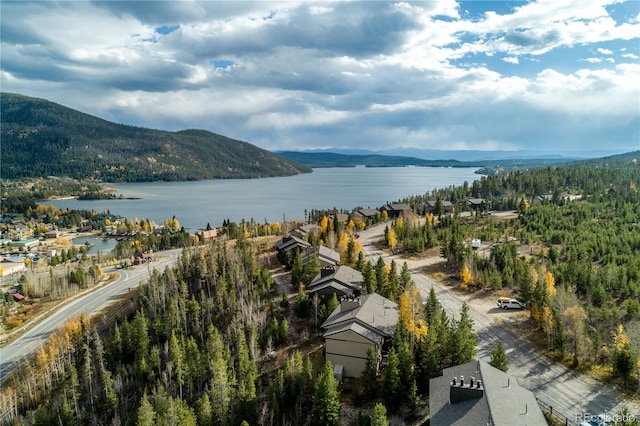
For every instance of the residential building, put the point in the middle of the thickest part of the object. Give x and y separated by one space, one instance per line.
366 214
325 255
476 203
430 206
396 209
341 280
476 393
357 324
304 230
290 243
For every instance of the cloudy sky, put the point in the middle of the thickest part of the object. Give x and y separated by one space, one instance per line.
545 75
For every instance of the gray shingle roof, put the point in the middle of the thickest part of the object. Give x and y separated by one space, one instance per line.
374 312
343 275
503 401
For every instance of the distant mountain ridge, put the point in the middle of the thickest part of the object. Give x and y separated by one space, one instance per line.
41 138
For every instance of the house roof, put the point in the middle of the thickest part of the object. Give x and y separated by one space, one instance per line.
324 254
475 201
432 203
305 229
502 402
367 212
289 242
396 207
374 312
368 333
342 274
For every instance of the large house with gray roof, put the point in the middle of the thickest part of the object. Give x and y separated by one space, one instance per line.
476 393
355 325
290 244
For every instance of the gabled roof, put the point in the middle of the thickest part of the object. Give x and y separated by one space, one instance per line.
289 242
432 203
397 207
324 254
502 400
475 201
367 212
342 274
371 334
303 230
373 312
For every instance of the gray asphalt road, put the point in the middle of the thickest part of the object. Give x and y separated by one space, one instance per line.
568 393
15 352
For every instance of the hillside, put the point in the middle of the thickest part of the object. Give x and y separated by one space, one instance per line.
42 138
486 166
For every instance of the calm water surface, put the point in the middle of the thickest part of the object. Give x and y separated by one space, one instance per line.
197 203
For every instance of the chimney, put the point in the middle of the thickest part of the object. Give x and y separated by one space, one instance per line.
458 392
349 302
326 271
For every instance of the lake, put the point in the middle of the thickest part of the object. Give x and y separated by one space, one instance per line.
103 245
272 199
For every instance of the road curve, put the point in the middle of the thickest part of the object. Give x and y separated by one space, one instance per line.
569 393
91 303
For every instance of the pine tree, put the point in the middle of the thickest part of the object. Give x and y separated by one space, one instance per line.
369 376
499 358
326 399
391 380
464 339
146 414
379 416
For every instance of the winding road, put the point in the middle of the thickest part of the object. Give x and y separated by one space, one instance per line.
570 394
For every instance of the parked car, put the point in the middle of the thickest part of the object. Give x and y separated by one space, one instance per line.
508 303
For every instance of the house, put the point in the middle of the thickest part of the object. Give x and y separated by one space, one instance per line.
357 324
341 280
207 235
17 297
396 210
476 203
325 255
52 234
430 206
304 230
290 244
476 393
366 214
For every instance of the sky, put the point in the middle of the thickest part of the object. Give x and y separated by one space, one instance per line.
541 75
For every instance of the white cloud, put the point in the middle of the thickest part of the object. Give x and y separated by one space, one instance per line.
368 74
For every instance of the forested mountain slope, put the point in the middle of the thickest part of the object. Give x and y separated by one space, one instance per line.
41 138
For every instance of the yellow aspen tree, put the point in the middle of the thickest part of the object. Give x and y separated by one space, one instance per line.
175 224
384 216
399 223
392 239
412 313
324 224
547 322
550 282
342 244
466 276
429 218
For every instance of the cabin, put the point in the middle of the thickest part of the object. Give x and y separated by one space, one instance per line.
290 244
396 209
430 206
360 322
207 235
